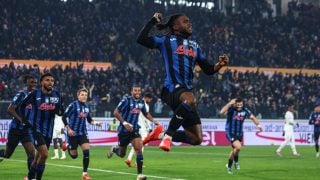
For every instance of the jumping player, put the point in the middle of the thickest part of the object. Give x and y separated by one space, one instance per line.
180 55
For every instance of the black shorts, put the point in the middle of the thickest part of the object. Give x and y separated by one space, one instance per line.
39 140
125 138
173 100
316 135
231 138
16 135
74 141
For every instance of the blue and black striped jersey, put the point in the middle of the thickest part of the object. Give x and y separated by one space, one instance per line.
44 108
315 120
130 110
15 123
180 57
77 113
235 120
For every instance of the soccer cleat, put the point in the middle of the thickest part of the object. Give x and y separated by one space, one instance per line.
165 143
141 177
317 155
110 152
55 157
63 157
154 135
296 154
86 177
236 166
278 154
229 170
128 162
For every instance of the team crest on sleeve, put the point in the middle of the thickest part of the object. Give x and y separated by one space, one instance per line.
140 105
54 99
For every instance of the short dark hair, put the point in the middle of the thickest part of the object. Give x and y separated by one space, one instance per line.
45 75
26 77
148 95
169 24
239 100
135 85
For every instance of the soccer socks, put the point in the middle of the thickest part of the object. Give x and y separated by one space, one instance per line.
181 136
29 162
180 114
317 147
2 151
236 158
39 170
85 160
139 161
230 163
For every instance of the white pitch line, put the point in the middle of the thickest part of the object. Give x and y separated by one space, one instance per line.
99 170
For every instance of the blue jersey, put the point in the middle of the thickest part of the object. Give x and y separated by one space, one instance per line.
77 113
44 108
129 110
15 123
180 57
315 119
235 120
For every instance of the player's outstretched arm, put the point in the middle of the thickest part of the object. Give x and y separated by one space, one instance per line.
256 122
143 37
207 67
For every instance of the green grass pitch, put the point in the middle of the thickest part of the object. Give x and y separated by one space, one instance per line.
189 162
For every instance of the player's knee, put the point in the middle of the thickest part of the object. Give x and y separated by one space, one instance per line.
73 156
196 141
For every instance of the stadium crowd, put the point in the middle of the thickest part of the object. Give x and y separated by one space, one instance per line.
97 31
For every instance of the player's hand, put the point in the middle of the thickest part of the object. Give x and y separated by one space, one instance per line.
223 60
158 16
70 132
127 125
232 102
260 127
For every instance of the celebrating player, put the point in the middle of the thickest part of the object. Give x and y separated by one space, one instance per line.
45 102
127 112
180 56
77 113
315 120
18 131
144 124
236 114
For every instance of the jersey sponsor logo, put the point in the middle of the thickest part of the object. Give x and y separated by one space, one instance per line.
83 115
45 106
182 50
54 99
135 111
238 118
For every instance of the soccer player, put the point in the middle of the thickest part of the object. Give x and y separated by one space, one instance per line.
46 103
58 131
74 118
288 132
315 120
236 114
180 55
127 112
18 131
145 127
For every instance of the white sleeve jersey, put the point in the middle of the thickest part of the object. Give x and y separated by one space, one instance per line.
144 123
289 118
58 123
